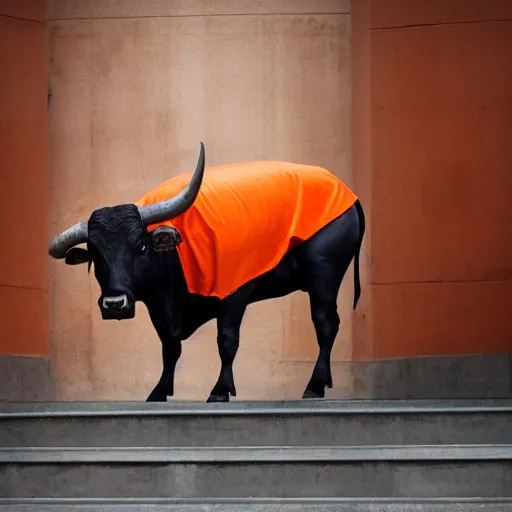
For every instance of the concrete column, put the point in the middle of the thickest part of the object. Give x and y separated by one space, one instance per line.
432 157
136 86
24 349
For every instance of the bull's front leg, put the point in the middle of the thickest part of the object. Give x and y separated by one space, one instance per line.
171 351
228 337
170 332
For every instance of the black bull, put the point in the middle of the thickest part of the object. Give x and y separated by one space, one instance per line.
132 265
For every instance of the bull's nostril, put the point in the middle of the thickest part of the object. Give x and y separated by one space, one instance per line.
120 302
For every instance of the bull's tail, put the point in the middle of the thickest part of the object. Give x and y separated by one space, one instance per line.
357 282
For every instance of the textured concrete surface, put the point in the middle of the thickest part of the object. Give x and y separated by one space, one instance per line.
283 461
25 379
258 424
403 13
254 407
23 178
449 478
86 9
263 454
29 10
263 505
431 96
466 376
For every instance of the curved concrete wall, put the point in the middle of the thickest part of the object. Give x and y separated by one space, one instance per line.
24 349
133 93
432 99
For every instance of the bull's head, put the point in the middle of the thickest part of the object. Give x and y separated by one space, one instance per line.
122 250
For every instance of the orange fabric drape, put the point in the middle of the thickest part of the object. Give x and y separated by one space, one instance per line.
246 216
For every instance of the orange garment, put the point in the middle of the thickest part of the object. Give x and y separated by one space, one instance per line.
246 216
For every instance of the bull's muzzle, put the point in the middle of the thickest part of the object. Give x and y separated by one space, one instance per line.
117 308
119 302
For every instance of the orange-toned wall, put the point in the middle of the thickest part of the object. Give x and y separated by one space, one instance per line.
432 118
23 180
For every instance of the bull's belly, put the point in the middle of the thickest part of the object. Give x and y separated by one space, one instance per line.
282 280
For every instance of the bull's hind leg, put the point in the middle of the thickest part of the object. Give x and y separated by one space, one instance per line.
324 314
228 338
327 257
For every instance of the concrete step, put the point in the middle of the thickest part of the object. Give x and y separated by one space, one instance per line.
479 471
261 505
298 423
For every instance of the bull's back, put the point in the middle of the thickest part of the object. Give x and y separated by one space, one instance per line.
246 216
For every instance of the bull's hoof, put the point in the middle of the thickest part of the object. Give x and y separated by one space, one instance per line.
156 398
217 398
309 394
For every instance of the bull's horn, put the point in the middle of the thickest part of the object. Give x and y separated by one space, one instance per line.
60 244
170 208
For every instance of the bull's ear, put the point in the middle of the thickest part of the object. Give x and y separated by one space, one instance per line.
165 238
76 256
